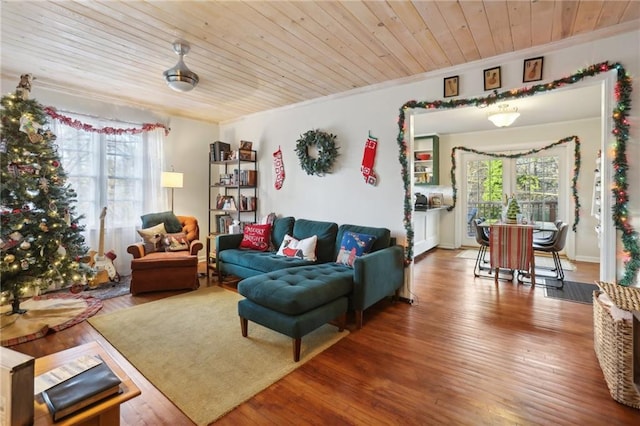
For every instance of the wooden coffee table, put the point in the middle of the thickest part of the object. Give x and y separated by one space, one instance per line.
103 413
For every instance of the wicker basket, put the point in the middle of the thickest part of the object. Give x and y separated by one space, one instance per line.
613 344
627 298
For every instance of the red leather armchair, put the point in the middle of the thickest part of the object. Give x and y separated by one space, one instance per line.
160 271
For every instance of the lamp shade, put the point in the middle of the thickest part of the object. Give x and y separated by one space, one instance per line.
171 180
504 116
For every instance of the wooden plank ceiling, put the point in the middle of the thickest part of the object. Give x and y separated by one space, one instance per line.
253 56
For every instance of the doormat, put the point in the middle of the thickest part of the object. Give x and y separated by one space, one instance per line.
571 291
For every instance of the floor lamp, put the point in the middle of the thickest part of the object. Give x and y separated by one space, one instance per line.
171 180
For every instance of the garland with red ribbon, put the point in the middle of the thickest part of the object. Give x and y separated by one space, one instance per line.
77 124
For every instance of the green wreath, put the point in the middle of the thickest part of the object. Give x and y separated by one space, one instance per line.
327 152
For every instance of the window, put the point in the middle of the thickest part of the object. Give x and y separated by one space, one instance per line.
120 172
533 179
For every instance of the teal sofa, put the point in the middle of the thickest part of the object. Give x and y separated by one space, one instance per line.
295 296
373 277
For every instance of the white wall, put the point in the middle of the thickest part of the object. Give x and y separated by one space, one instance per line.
187 150
343 196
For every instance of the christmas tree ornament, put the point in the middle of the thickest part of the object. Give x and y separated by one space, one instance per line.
44 185
9 258
35 137
23 89
28 125
278 168
368 160
25 245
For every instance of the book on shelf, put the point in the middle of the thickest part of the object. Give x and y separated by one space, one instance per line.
219 151
223 223
248 203
244 177
80 391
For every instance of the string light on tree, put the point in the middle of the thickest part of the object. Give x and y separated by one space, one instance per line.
33 189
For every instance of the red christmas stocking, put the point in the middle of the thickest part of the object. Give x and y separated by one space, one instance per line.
368 159
278 168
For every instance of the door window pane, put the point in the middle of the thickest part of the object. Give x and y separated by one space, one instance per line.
484 191
537 187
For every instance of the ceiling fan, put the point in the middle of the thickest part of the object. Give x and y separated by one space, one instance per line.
180 78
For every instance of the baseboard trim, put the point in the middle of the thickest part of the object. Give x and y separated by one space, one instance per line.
405 300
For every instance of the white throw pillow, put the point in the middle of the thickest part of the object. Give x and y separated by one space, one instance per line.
303 249
152 237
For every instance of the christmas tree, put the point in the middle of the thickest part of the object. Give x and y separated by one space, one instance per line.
40 236
513 210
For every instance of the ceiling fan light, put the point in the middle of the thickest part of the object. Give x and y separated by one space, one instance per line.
180 78
504 116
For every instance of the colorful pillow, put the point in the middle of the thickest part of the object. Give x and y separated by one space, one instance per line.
175 242
354 245
170 220
302 249
256 237
152 237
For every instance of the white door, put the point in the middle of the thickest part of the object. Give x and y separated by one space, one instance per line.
538 181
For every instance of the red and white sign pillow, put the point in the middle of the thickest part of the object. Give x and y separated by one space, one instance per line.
256 237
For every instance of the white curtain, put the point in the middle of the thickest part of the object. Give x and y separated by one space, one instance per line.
121 172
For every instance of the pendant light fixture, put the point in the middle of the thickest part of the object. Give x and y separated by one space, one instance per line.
180 78
504 116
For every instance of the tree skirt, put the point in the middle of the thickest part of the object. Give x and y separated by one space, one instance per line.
48 313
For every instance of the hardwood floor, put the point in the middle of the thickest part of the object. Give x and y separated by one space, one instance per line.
467 352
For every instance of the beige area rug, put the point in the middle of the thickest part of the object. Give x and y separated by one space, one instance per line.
191 348
541 261
45 314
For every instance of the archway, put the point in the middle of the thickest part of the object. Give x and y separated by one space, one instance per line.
620 130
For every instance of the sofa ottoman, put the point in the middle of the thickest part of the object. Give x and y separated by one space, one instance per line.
296 301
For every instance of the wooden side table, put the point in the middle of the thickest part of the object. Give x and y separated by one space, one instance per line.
104 413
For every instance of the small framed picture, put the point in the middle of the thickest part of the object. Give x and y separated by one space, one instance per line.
492 78
451 86
246 155
246 145
436 199
532 69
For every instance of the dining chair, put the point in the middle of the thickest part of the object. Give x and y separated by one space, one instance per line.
482 238
511 247
555 247
548 237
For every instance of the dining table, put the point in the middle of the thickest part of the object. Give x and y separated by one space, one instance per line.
511 245
537 226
